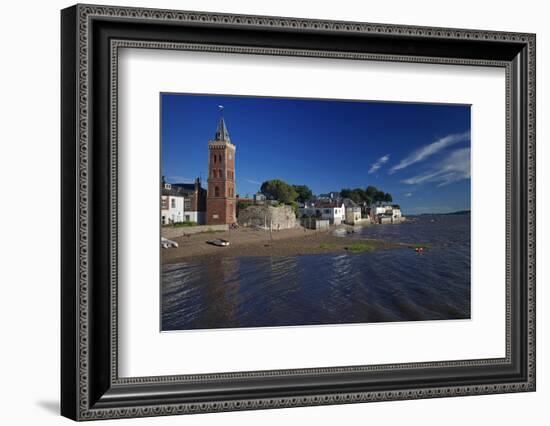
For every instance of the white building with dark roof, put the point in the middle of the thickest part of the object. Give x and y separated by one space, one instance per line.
332 210
353 211
192 198
386 214
172 208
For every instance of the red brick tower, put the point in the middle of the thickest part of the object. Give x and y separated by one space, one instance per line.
221 202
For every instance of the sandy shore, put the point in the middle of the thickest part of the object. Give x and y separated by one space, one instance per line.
257 242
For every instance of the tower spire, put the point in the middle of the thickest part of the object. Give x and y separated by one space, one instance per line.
221 202
222 134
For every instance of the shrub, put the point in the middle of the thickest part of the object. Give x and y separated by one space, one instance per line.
184 223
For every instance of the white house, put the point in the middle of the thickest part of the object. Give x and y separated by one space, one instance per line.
378 210
396 214
386 214
194 197
332 210
172 208
353 211
259 198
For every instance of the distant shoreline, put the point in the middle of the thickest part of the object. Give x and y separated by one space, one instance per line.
457 213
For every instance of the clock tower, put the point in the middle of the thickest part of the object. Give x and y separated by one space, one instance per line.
221 204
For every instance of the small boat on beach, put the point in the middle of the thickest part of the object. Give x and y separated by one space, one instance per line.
219 242
166 243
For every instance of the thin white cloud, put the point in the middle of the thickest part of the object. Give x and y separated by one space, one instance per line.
428 150
408 194
452 169
255 182
378 163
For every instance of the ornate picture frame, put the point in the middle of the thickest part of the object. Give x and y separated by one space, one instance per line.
91 38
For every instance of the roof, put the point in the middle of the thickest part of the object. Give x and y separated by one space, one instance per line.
170 192
348 202
184 187
222 134
180 189
331 195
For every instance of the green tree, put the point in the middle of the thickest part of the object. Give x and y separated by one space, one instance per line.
304 193
241 205
371 192
358 194
279 190
369 195
379 197
346 193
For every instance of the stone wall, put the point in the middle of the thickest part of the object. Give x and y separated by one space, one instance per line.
281 217
314 223
173 232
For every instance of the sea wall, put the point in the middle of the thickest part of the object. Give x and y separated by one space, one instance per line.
177 231
280 217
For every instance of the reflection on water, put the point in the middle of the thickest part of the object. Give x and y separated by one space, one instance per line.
386 285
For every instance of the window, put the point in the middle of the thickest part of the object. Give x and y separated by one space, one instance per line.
220 173
173 203
216 191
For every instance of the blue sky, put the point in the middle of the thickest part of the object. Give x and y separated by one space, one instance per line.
420 153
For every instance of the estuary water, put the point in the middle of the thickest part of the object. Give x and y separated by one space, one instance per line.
382 286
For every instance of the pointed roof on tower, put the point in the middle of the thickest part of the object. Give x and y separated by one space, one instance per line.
222 134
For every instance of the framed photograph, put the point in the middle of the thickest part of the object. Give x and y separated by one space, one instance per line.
263 212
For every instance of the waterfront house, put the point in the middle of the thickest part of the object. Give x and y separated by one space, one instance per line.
396 214
332 210
353 211
194 200
383 219
314 223
171 205
386 214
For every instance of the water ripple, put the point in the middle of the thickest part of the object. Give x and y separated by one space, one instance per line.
384 286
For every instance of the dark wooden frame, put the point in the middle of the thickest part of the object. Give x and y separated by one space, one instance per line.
90 386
